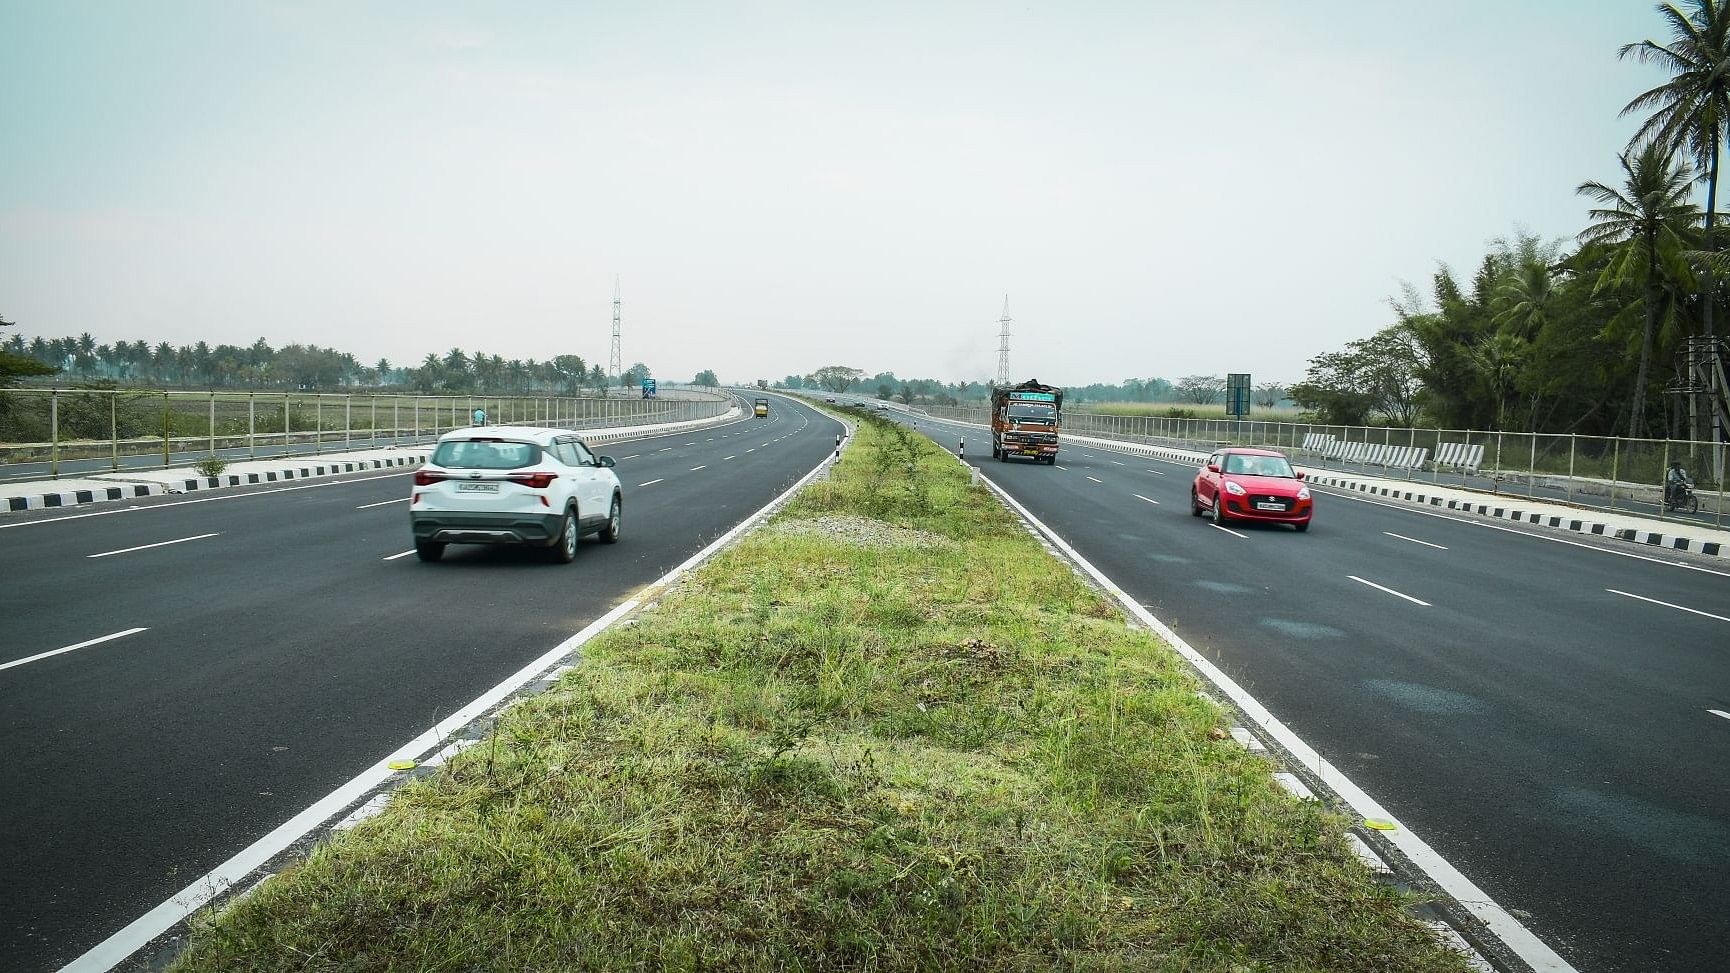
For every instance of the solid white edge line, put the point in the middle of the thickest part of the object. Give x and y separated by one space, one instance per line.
1148 499
72 648
369 506
1414 540
393 557
139 933
1498 920
1396 594
248 495
1691 611
1229 531
146 547
1719 712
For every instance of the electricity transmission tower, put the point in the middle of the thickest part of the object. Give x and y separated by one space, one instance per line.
1003 346
615 363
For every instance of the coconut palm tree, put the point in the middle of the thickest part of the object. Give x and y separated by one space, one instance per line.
1690 112
1642 227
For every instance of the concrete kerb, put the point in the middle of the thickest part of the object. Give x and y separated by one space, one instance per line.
133 484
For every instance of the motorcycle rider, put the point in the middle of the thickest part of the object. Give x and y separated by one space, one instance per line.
1675 483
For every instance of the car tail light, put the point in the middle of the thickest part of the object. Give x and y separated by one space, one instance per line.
534 481
428 478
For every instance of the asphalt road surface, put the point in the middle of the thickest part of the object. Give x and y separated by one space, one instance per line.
1551 714
288 638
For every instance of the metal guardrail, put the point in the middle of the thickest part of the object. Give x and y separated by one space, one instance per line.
1601 472
51 433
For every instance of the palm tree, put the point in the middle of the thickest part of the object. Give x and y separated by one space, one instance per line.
1690 111
1641 226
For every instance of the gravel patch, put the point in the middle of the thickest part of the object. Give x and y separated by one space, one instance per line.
860 530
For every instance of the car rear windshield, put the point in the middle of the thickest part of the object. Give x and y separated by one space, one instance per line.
485 454
1258 465
1031 412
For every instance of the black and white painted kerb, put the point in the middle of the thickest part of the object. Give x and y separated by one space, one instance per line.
71 498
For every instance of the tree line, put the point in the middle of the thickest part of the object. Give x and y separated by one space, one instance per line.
1570 335
1191 389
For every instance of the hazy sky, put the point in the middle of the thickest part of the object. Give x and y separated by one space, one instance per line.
1161 188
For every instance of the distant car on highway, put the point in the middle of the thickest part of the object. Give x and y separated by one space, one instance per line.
828 398
1253 485
882 407
514 485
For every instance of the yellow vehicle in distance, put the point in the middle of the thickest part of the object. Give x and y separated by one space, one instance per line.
762 409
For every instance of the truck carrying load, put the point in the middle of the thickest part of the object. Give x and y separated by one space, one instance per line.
762 408
1025 420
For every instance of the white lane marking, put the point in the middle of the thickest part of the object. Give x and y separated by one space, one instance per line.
109 953
1458 517
1691 611
663 449
1719 712
632 456
1148 499
1116 463
652 482
1414 540
753 449
1096 479
73 648
381 503
1501 922
248 495
1390 591
1064 468
1157 472
690 444
146 547
393 557
726 458
1229 531
696 468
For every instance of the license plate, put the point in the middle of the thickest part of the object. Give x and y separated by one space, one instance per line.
477 488
1265 505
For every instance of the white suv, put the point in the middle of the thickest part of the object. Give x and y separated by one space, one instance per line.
513 485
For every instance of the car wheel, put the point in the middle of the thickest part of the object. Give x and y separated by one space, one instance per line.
565 548
610 533
1194 503
1218 509
1303 526
429 550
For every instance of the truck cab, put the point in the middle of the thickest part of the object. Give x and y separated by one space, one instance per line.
1025 420
761 410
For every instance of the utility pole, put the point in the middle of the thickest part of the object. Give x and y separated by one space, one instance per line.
1003 346
615 362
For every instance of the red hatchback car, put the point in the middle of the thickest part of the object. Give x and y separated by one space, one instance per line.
1251 484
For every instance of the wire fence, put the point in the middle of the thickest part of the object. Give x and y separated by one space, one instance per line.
51 433
1599 472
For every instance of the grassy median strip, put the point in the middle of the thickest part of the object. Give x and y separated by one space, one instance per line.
886 731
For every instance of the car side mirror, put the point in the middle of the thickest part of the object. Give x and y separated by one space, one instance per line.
1213 467
1301 474
608 462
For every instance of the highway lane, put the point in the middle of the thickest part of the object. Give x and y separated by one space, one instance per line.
1551 737
282 655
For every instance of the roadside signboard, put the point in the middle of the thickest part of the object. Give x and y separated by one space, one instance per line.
648 388
1237 395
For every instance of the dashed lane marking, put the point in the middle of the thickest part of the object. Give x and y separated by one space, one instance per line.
1229 531
696 468
1157 472
381 503
1064 468
726 458
651 482
1691 611
145 547
1414 540
395 556
1148 499
1719 712
1390 591
632 456
1096 479
72 648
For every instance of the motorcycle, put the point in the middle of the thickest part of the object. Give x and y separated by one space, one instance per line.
1679 497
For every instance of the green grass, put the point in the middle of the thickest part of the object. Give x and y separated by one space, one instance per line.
1186 410
885 732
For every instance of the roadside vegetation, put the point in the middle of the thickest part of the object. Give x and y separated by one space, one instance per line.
884 731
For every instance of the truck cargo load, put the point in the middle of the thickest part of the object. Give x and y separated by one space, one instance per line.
1024 421
762 408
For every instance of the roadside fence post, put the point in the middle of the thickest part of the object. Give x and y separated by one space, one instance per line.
317 423
1532 475
212 429
1664 488
1496 480
347 420
167 429
961 450
416 419
1573 444
395 423
251 425
286 448
54 433
114 430
1615 457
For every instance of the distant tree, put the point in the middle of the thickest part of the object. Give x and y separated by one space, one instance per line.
793 382
706 378
634 375
837 378
571 371
1268 394
883 390
1201 389
14 364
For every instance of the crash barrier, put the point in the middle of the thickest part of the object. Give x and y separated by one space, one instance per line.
1378 454
1463 457
1318 443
